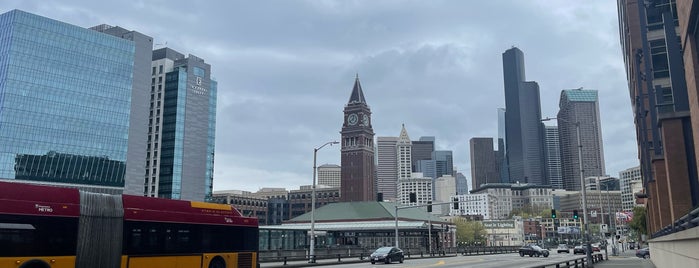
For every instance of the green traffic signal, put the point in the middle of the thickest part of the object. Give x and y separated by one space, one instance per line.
553 213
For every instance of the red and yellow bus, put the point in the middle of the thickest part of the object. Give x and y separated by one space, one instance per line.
53 227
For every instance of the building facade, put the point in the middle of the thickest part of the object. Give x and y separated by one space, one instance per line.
329 175
422 150
55 122
181 127
523 127
461 184
357 154
579 111
553 157
475 204
386 168
404 155
502 149
657 75
245 202
627 178
484 168
300 200
422 187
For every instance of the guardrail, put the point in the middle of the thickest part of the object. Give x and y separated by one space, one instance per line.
578 262
689 221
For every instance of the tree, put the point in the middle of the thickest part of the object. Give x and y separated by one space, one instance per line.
469 232
638 222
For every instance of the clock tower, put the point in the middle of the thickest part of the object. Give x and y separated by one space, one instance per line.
357 159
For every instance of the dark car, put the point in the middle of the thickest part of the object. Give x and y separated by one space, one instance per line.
563 248
533 250
579 249
386 255
643 253
632 245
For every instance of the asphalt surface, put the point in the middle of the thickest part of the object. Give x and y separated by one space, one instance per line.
485 261
626 259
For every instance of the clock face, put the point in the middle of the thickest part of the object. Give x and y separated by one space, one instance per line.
365 120
352 119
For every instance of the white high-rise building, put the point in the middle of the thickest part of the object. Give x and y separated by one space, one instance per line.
386 169
476 204
404 153
628 177
444 187
422 187
329 175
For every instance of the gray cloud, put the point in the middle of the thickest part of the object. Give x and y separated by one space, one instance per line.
285 70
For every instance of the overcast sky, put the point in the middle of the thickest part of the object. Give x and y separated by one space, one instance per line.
285 70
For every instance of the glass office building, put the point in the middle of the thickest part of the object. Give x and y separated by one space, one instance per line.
65 99
181 127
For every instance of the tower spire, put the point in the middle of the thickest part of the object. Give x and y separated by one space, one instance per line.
357 94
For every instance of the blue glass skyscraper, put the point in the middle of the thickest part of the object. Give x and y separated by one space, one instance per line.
65 104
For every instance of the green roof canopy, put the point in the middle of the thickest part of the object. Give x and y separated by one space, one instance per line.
365 211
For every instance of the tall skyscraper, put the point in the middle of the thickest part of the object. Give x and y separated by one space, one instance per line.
386 168
484 167
357 156
553 157
181 127
502 149
138 119
580 107
664 116
444 163
461 184
523 127
422 150
329 175
67 109
404 149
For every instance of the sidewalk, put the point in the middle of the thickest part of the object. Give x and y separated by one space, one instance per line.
626 259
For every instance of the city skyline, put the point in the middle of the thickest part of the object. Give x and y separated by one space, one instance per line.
442 79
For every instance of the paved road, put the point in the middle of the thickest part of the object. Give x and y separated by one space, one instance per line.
626 259
485 261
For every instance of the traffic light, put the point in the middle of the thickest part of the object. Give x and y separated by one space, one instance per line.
413 198
429 206
575 214
553 213
456 203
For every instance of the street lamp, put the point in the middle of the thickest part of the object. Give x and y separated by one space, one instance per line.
311 254
609 215
582 186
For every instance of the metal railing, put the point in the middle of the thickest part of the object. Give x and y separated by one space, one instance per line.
689 221
409 254
577 262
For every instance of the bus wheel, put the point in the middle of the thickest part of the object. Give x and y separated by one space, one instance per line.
35 264
217 262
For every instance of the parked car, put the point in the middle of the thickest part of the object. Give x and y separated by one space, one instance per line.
643 253
632 245
563 248
595 247
387 255
533 250
579 249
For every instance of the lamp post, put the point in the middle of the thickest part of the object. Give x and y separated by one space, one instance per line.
311 253
609 209
582 187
